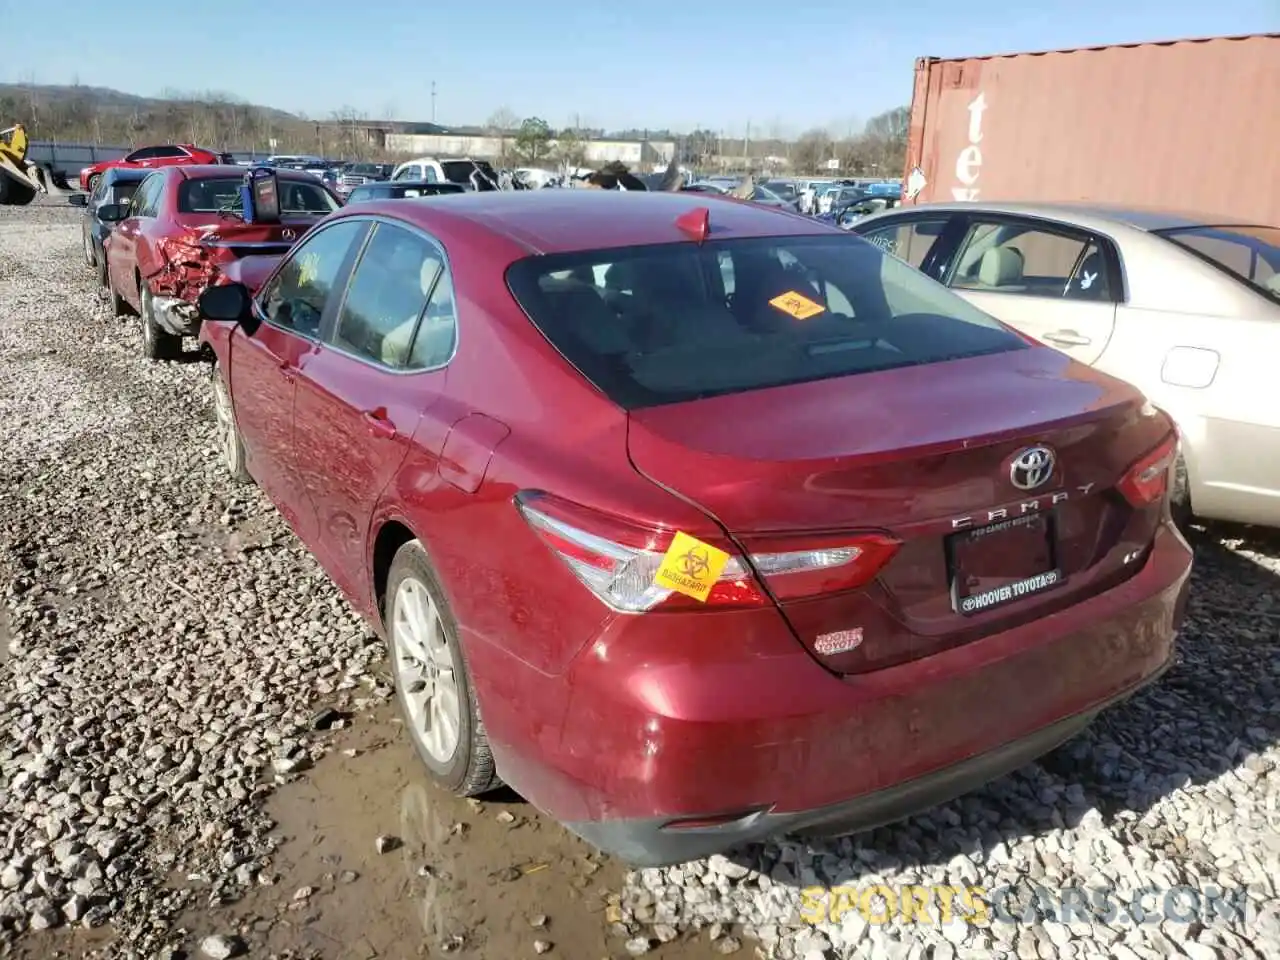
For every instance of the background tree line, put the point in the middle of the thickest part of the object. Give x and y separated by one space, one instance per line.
82 114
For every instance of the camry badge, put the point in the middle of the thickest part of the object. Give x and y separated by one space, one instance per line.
1032 467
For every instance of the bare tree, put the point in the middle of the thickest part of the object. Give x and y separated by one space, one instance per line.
812 151
502 124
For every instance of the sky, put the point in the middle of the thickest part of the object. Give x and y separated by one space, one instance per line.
780 66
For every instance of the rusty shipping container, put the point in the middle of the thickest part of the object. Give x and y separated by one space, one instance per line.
1192 125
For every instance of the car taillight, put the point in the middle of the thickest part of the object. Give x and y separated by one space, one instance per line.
1148 480
618 560
815 566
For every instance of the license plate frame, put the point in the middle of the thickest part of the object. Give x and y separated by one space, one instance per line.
1034 584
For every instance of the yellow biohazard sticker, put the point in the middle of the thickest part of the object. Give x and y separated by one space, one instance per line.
308 267
797 305
691 567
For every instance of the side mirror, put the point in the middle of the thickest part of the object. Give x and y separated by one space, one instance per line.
113 212
230 302
78 199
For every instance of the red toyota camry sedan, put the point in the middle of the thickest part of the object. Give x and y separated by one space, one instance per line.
695 521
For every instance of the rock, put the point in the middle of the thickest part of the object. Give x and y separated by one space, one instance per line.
386 843
11 877
727 945
1198 951
542 946
43 914
638 946
219 947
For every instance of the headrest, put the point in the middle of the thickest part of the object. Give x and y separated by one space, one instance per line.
1001 267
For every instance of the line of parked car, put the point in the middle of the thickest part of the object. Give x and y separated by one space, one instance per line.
697 521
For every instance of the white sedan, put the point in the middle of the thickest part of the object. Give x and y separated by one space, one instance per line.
1186 308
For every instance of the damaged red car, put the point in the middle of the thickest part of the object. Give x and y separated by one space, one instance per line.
181 229
698 522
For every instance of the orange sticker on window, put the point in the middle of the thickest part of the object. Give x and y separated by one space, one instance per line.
797 305
691 567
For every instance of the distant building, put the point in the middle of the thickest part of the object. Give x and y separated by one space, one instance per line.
634 153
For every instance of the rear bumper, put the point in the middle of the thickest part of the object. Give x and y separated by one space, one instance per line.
652 843
725 718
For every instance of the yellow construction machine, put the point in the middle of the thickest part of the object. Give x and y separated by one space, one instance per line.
19 181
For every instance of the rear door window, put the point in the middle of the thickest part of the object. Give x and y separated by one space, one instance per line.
1038 261
386 316
670 323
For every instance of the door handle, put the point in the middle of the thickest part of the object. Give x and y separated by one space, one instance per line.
1068 338
378 424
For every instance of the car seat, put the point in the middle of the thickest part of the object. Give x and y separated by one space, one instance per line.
1001 268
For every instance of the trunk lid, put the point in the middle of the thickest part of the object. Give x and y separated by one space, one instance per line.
231 236
923 454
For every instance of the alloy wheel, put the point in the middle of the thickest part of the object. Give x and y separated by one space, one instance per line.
424 670
226 423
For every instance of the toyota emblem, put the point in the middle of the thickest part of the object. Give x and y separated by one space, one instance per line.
288 234
1032 467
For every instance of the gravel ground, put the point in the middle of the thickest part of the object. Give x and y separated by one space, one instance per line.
166 636
165 641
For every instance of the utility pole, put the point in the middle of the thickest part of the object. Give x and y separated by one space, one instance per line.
746 147
433 101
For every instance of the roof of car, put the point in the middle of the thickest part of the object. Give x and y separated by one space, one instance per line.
411 185
559 221
128 173
223 170
1096 215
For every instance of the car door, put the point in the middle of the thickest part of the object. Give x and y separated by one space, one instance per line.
361 395
263 366
122 260
1050 280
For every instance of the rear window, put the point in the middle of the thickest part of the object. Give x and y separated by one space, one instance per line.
1250 253
676 322
222 195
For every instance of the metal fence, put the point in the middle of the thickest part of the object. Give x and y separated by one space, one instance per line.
65 160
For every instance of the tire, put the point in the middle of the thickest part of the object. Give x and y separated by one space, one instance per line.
13 193
103 283
90 253
232 442
157 343
1180 498
468 769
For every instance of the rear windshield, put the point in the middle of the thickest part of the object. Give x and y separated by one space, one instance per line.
1250 253
665 324
222 195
